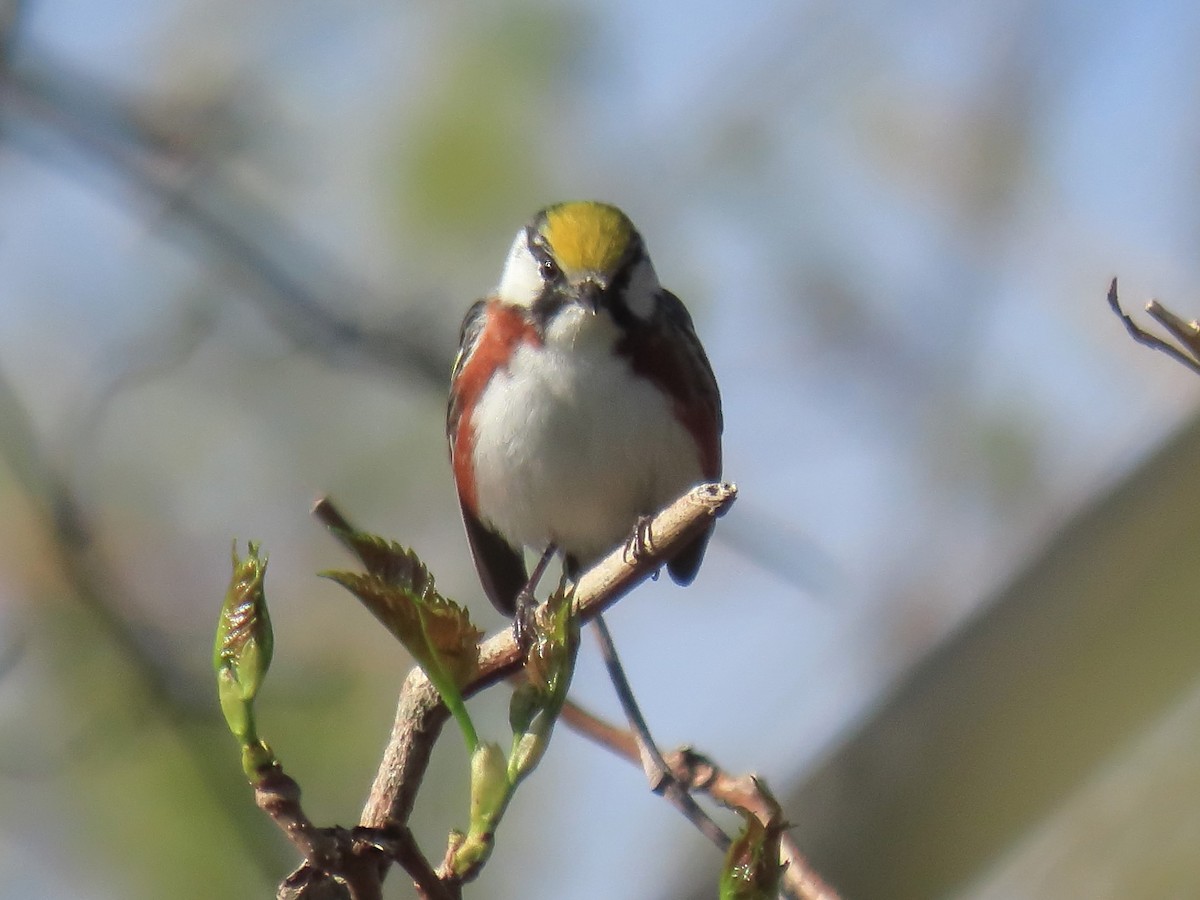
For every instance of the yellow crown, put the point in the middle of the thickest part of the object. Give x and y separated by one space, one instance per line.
587 236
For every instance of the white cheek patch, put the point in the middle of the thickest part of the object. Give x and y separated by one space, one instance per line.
521 282
642 290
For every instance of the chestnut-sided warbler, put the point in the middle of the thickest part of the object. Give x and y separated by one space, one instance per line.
581 401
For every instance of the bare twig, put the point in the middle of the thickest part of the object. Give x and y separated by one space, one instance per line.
697 772
658 773
402 846
335 851
420 714
612 737
327 849
1187 333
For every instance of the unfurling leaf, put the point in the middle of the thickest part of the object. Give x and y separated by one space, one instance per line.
399 592
551 658
387 559
242 655
244 640
752 869
436 631
549 666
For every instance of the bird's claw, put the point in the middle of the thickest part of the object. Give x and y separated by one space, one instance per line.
523 624
642 541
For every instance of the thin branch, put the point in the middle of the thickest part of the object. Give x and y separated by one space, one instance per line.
332 851
1188 333
697 772
617 740
403 848
662 780
420 713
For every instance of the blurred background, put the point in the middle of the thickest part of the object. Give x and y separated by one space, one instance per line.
950 619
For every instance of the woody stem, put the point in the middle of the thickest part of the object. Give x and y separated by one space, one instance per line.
658 773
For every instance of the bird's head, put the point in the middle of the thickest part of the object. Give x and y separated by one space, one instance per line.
581 255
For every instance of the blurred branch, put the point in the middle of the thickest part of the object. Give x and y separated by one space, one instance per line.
779 547
96 588
698 773
139 363
421 714
12 17
292 277
1187 333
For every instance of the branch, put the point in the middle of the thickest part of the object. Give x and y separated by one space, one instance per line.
420 713
1187 333
97 587
333 850
660 775
697 772
598 589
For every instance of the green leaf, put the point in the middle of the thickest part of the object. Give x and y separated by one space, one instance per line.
436 631
387 559
752 869
399 591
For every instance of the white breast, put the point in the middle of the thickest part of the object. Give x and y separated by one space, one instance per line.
571 447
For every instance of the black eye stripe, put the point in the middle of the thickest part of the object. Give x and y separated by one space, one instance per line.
633 255
549 302
552 274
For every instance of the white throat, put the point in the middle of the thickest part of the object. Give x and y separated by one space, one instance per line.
574 329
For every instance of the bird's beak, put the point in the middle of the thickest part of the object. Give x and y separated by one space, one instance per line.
590 294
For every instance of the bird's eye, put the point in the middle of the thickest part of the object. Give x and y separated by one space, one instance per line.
549 269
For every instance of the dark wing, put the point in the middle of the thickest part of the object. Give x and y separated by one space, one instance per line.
669 354
697 395
501 566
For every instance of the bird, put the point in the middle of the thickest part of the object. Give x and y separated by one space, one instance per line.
581 402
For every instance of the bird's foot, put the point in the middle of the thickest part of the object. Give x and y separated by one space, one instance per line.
523 624
641 542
